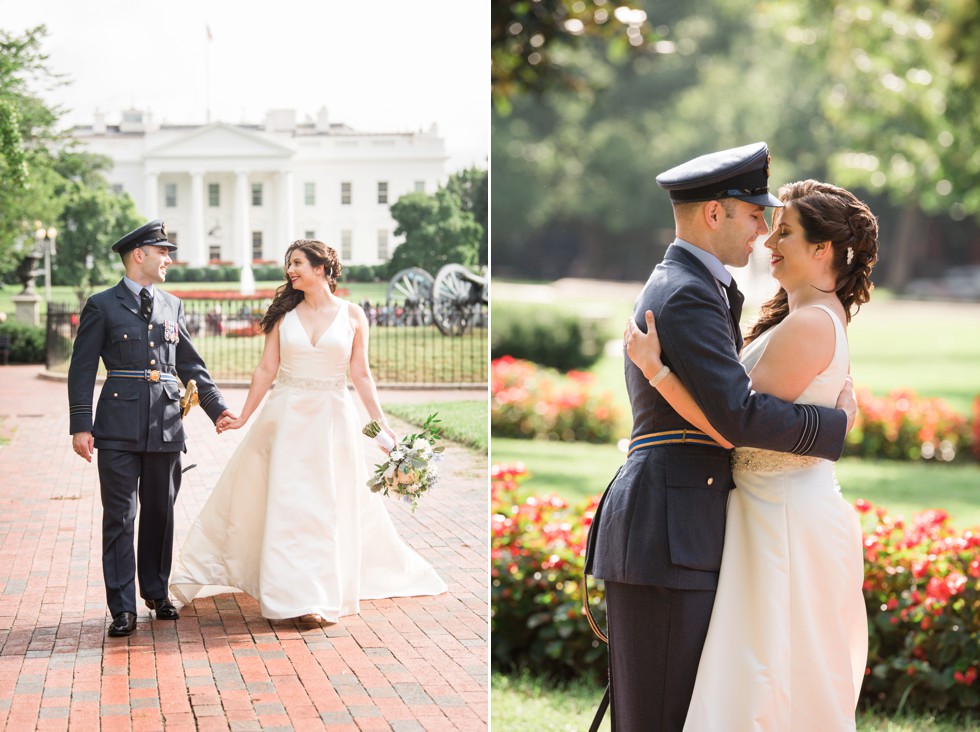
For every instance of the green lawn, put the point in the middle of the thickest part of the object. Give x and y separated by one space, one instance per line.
516 699
462 421
578 470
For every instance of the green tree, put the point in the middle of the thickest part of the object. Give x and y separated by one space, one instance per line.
471 187
27 136
45 178
437 231
533 43
92 217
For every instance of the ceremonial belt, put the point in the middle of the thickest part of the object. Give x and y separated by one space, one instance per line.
145 375
673 437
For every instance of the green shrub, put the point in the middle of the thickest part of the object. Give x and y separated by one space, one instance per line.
546 335
26 342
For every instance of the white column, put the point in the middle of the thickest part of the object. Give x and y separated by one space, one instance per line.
151 195
286 211
241 243
196 255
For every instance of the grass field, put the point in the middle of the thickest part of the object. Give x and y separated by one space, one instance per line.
577 471
462 421
516 699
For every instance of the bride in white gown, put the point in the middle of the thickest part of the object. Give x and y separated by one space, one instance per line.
291 521
787 644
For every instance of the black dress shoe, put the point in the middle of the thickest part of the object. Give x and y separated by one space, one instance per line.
122 624
164 608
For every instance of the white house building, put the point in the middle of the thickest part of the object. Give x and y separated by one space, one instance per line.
242 193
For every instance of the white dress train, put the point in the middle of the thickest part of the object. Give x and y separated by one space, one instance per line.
291 520
788 640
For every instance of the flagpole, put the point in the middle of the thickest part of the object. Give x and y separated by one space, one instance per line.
207 76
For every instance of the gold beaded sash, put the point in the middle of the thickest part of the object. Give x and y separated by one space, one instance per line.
758 460
303 382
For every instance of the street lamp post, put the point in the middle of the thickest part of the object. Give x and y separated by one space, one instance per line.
45 241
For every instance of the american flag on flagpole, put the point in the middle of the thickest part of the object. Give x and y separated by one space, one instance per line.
208 29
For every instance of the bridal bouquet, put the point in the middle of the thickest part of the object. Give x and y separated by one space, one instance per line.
410 469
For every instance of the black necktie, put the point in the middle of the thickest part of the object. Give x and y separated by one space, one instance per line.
146 304
735 300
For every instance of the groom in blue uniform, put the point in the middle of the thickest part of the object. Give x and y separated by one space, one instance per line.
139 333
658 533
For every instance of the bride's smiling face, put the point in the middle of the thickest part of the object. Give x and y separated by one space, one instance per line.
301 273
790 254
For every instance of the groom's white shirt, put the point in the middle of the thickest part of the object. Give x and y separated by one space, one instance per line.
722 276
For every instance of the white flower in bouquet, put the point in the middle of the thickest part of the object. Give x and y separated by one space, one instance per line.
410 469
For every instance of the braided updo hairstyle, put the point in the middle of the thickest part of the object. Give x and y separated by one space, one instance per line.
830 213
287 297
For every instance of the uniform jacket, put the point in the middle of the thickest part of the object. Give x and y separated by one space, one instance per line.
135 415
662 519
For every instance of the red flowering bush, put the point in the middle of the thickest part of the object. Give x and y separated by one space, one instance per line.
537 552
922 589
976 428
903 426
922 592
529 401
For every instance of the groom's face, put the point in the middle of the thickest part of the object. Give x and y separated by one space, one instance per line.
742 225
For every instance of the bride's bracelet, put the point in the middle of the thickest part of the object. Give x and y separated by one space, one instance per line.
659 376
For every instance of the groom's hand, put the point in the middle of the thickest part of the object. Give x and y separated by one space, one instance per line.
83 444
848 402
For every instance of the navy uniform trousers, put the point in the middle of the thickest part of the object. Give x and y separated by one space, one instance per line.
138 431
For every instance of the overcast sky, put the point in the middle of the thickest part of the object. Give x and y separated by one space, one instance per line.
378 66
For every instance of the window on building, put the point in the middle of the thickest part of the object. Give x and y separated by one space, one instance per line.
256 245
309 234
346 244
256 194
383 245
345 194
170 194
172 237
420 186
309 194
117 188
214 252
214 194
382 191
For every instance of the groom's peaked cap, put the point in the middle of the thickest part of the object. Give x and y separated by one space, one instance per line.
741 172
153 233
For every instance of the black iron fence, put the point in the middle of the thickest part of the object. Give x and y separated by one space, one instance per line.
403 350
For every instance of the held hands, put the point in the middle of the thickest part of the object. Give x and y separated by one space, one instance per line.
83 444
228 421
848 402
643 348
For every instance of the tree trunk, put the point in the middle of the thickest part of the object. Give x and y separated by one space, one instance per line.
905 250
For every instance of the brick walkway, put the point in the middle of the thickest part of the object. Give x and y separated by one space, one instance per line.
405 664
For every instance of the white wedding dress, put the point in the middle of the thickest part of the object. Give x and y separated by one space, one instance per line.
291 520
788 640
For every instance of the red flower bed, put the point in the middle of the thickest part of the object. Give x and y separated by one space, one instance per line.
922 591
221 295
904 426
530 401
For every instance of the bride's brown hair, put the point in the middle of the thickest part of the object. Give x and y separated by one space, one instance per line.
830 213
287 297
